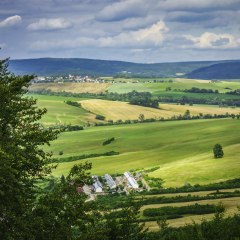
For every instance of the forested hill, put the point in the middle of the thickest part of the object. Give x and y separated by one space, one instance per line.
226 70
64 66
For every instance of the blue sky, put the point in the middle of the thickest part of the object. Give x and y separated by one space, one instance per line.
128 30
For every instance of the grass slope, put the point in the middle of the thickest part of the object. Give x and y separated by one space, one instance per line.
178 83
182 149
115 110
61 113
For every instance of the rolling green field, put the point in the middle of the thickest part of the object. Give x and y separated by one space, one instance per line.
115 110
182 149
61 113
177 84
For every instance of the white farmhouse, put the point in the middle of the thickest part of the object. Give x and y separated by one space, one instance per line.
131 180
97 186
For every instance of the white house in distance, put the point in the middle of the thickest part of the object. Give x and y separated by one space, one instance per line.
110 182
97 186
131 180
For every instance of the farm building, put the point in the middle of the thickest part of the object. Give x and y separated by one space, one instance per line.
110 182
131 180
97 186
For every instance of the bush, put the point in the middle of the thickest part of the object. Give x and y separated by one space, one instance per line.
100 117
190 209
108 141
84 156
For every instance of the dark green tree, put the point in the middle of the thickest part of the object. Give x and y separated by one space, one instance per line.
218 151
26 211
22 160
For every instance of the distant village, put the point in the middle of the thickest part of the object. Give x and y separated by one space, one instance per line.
69 78
107 184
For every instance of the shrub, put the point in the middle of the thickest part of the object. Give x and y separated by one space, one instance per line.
100 117
108 141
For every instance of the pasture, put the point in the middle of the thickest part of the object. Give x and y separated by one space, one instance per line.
182 149
115 110
230 205
148 85
59 112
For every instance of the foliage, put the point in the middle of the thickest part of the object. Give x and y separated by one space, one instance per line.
85 156
198 90
23 161
218 151
220 228
67 128
108 141
100 117
153 182
74 104
228 184
183 210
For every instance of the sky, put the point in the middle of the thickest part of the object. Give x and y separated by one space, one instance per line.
144 31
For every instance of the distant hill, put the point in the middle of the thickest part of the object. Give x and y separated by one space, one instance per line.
79 66
225 70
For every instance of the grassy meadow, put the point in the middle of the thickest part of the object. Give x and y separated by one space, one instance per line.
59 112
178 84
182 149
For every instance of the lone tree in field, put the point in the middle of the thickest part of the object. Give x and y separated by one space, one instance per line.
141 117
218 151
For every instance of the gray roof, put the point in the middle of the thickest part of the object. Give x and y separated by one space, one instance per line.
110 182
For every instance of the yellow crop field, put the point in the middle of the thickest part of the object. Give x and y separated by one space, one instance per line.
115 110
72 87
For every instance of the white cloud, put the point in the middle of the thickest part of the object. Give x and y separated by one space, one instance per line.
214 41
10 21
50 24
150 37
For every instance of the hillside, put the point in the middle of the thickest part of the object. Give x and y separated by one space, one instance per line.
226 70
64 66
182 149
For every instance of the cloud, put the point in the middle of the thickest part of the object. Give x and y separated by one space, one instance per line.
150 37
210 40
63 44
49 24
198 5
188 17
11 21
122 10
